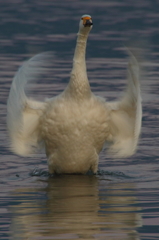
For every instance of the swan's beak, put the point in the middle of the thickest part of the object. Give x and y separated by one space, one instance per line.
87 21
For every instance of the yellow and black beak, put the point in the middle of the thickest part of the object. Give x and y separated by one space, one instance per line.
87 21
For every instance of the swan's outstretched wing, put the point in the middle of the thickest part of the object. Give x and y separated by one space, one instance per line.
126 115
22 112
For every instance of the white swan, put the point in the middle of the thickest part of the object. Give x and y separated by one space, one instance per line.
75 125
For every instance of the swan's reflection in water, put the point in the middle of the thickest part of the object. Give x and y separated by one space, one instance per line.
76 207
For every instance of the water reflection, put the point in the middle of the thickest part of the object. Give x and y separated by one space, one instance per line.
73 207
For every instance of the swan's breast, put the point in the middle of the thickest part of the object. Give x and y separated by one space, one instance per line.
68 123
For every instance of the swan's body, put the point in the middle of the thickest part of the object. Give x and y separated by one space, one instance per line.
75 125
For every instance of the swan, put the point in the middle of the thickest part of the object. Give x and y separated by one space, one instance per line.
74 126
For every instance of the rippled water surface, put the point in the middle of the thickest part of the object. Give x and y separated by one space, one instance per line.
122 200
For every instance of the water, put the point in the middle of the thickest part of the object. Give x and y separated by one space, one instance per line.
122 200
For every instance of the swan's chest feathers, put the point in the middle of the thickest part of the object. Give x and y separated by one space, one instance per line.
67 123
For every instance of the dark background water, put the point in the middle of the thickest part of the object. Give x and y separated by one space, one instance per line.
122 202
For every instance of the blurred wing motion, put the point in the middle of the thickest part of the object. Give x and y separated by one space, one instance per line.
126 115
22 112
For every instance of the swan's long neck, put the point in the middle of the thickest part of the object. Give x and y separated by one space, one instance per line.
78 84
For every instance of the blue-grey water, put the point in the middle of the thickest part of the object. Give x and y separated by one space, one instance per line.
122 201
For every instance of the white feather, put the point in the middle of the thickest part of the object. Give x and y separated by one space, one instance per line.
23 113
126 115
75 125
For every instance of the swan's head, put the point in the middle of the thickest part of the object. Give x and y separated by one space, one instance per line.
85 24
